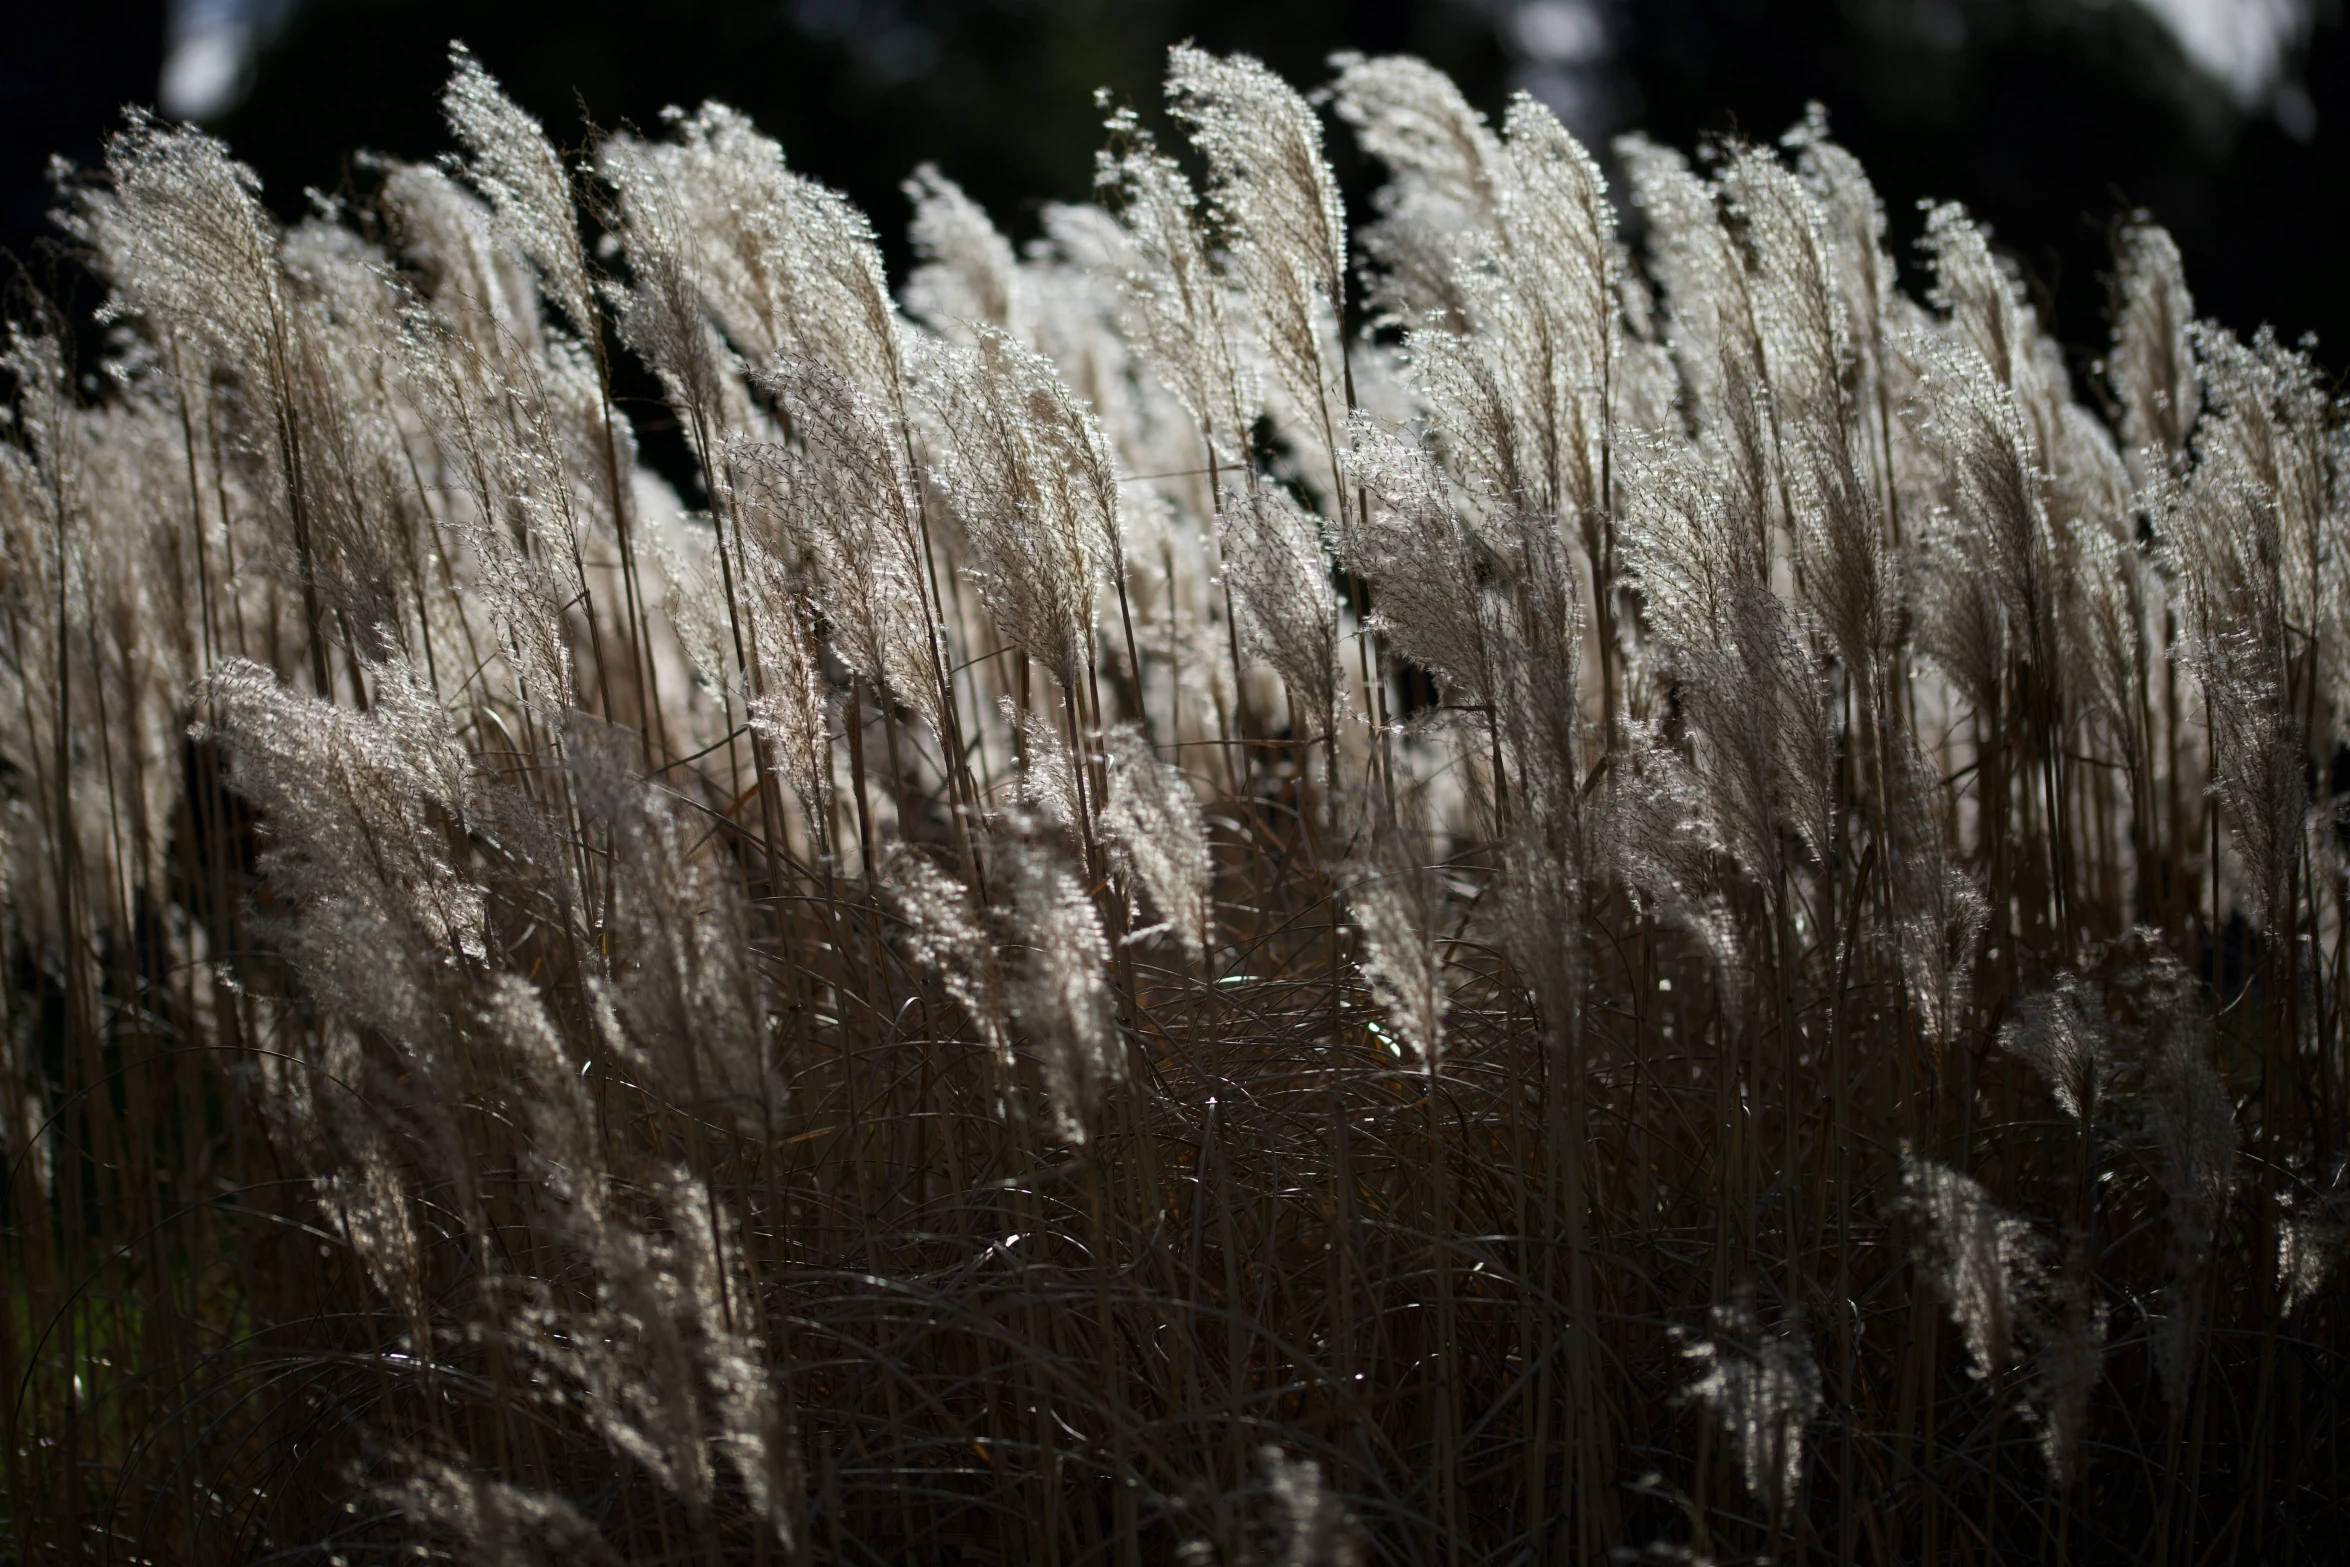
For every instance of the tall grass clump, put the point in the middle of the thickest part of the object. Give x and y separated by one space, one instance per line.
1577 875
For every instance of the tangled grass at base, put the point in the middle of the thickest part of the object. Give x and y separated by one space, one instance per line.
1468 890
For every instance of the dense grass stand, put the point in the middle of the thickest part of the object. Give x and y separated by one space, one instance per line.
1478 890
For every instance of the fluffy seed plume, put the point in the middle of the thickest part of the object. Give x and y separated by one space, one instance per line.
1763 1388
1277 205
1058 988
515 166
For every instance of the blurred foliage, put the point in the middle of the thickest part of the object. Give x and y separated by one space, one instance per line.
65 73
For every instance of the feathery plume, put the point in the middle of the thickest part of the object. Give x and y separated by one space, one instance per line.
1298 1520
1808 354
967 274
2243 541
1152 822
1058 989
1277 207
520 523
1853 227
1938 911
2152 366
1048 771
1394 909
1998 529
357 806
2186 1113
841 500
494 1522
1710 327
1662 838
1999 1280
1180 313
2111 595
2312 1239
1520 391
1280 582
516 167
783 264
1444 180
1973 1254
1030 475
1754 701
1423 554
790 708
2062 1033
181 236
1764 1389
688 1002
945 934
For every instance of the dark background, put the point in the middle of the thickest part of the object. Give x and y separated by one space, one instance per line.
2050 119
